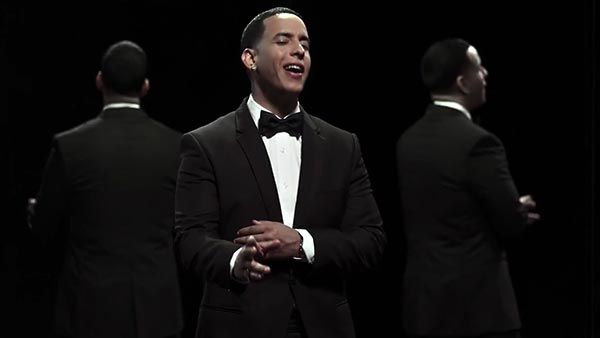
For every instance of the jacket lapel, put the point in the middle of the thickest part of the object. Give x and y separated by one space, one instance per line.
251 143
310 167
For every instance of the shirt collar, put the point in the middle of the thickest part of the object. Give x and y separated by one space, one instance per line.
453 105
255 109
116 105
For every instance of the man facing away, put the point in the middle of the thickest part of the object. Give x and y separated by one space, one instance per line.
108 186
458 201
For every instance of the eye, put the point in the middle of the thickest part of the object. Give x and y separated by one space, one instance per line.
282 42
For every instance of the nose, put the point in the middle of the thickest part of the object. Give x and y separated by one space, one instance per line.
484 71
299 51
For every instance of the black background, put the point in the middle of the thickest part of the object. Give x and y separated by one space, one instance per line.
541 102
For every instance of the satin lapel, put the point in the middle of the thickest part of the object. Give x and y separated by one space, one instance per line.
251 143
312 162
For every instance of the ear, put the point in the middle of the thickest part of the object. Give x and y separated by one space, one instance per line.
248 58
145 88
462 83
99 82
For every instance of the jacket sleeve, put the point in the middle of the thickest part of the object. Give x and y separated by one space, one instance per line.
491 183
197 238
359 242
50 211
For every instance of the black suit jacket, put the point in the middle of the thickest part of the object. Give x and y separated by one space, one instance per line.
458 201
111 181
225 181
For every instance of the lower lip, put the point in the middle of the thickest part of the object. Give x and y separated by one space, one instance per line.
294 75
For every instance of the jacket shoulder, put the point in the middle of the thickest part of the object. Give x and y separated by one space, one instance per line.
329 131
214 128
79 129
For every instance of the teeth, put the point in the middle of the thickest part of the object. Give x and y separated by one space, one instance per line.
293 67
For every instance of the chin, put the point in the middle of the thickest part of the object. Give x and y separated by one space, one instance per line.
294 89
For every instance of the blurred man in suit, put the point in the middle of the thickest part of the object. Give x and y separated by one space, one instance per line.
108 186
458 200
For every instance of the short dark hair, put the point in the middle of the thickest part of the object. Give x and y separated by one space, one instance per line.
255 28
124 68
442 63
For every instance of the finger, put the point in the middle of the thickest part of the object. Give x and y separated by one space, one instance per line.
533 217
267 246
259 248
250 230
244 239
527 201
251 241
247 254
525 198
259 268
255 276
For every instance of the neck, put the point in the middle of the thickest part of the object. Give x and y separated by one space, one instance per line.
279 103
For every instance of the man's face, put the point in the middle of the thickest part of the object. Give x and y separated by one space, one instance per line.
476 78
282 55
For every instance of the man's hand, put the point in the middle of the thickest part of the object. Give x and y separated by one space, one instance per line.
31 203
529 204
246 267
277 240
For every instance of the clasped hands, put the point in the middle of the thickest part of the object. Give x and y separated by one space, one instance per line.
263 241
529 204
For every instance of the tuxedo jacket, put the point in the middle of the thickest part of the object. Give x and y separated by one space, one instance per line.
225 181
109 187
458 201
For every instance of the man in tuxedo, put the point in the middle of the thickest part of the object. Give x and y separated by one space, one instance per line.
459 201
108 186
274 206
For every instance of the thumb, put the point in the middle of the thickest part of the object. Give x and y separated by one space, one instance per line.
251 241
248 250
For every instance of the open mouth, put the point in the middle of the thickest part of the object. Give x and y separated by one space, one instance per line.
294 68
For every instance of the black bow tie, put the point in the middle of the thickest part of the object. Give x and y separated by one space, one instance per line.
269 124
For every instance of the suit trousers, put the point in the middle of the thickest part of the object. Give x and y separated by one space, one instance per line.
295 326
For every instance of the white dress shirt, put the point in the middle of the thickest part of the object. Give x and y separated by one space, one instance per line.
285 154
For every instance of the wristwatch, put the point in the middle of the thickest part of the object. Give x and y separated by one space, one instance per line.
301 254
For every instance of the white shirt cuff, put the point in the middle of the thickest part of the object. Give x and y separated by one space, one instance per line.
232 261
308 245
